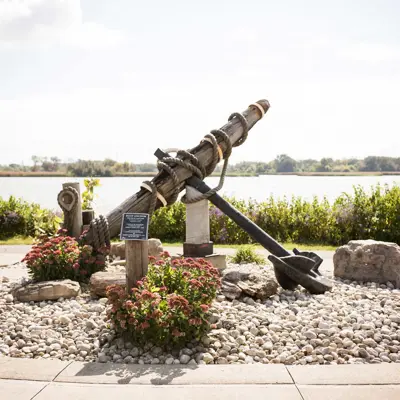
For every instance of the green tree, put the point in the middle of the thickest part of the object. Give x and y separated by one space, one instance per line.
284 163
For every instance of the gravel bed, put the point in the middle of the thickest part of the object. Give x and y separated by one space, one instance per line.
355 323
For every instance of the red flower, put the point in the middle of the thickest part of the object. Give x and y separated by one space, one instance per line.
176 333
145 325
204 307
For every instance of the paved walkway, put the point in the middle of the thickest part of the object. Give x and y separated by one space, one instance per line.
24 379
10 254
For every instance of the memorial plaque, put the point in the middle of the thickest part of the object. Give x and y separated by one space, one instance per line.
135 226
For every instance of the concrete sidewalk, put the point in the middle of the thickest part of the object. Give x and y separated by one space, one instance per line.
23 379
10 254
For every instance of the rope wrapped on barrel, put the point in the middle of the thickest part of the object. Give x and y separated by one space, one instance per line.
189 161
101 233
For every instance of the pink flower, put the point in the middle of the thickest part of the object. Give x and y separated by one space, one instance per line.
75 266
204 307
145 325
176 333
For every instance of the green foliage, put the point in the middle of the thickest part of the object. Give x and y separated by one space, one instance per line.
281 164
62 257
247 254
18 217
169 306
361 215
88 194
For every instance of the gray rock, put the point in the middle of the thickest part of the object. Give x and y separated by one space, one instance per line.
230 290
49 290
184 359
368 261
253 280
100 280
154 249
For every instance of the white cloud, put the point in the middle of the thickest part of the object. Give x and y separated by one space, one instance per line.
43 23
371 52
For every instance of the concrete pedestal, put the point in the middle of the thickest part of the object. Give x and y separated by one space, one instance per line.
197 242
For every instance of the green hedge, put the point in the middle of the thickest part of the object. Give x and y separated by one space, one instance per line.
18 217
360 215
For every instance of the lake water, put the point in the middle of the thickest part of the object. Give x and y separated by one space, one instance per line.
114 191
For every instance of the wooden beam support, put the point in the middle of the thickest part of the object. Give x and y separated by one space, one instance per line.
137 260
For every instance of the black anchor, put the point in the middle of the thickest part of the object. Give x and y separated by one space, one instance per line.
291 270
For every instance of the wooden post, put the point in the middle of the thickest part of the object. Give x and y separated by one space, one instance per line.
76 217
137 259
87 217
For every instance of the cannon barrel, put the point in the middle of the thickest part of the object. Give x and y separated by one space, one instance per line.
139 202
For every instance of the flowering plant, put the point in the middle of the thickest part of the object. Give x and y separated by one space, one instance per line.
62 257
169 305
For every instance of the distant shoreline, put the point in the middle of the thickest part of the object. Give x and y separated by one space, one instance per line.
41 174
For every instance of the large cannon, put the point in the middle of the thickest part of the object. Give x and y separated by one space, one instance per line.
190 167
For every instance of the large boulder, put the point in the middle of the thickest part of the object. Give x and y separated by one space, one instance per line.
247 279
100 280
368 261
48 290
155 248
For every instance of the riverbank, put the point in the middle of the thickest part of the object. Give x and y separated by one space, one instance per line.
41 174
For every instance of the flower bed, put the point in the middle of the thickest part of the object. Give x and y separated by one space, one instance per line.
63 257
169 305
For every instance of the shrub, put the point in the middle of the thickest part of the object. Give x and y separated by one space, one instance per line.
62 257
17 217
88 195
357 215
247 254
169 306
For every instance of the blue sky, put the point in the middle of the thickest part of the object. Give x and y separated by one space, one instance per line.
96 78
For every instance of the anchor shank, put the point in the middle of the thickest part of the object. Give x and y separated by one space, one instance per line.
245 223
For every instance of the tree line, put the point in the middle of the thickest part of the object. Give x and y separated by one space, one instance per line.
281 164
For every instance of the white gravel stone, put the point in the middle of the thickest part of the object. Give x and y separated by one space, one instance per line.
355 323
9 298
184 359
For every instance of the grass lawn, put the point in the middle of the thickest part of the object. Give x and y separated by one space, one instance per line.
289 246
17 240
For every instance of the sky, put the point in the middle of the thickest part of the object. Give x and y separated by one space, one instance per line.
95 79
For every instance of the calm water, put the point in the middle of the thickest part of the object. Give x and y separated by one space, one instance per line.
115 190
